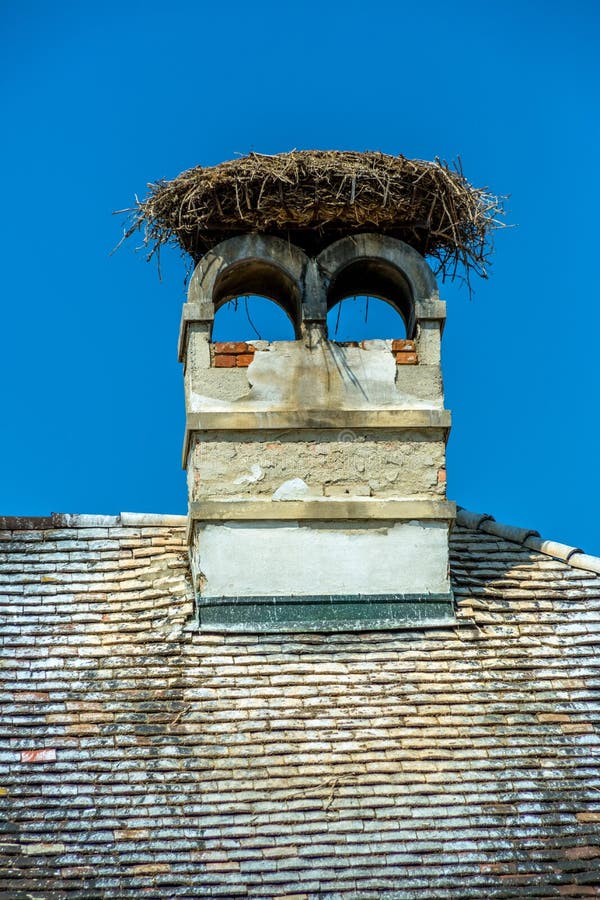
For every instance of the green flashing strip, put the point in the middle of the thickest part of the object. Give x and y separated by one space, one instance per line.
353 612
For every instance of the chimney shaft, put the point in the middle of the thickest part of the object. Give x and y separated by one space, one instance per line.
316 471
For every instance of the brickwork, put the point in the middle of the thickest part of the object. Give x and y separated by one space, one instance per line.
140 757
405 353
232 354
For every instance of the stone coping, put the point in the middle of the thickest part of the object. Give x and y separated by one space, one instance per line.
320 509
361 419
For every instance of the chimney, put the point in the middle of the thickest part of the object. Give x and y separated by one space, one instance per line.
316 469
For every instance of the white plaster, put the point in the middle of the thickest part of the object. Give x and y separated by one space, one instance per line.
288 374
198 403
288 559
255 474
202 403
324 376
294 489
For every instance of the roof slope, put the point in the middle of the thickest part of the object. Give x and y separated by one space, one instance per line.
143 758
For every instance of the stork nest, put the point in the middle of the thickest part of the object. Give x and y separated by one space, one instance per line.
313 197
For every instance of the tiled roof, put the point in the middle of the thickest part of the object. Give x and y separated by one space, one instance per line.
141 757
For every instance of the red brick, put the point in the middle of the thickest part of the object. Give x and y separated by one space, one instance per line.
441 476
244 359
406 359
403 346
587 852
230 347
44 754
224 362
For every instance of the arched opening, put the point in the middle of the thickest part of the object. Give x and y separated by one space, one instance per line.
368 299
255 299
362 318
252 317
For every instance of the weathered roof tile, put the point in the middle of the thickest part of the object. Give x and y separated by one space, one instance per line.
140 755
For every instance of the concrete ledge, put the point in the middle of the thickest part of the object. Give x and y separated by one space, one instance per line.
361 419
312 613
326 509
436 421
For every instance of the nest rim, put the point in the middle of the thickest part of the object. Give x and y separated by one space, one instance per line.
313 197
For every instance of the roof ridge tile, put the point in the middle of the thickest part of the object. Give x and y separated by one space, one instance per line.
56 521
128 518
572 556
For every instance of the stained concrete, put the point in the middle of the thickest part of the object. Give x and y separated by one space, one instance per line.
290 374
322 509
290 558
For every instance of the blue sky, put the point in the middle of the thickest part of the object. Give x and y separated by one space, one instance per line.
99 100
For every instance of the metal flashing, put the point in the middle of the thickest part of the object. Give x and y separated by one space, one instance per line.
316 613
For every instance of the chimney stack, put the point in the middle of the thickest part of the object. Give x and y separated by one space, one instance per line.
317 469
